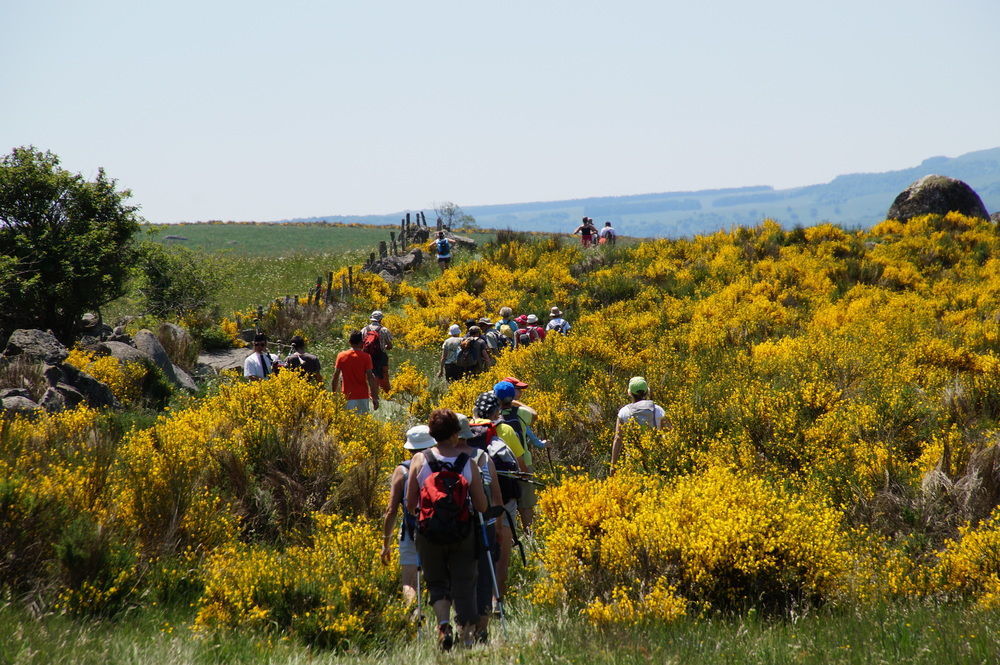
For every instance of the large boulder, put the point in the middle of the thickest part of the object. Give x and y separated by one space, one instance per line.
175 338
18 404
937 195
93 391
184 380
121 351
463 241
35 345
148 343
397 265
223 360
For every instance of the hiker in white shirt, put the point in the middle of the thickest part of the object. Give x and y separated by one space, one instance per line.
260 364
556 322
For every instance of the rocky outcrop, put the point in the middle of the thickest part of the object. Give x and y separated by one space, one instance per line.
35 345
147 343
937 195
395 266
221 361
18 404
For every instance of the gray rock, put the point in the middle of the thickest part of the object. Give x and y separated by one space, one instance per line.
93 391
18 404
463 241
53 401
396 265
223 360
995 218
71 396
147 342
247 334
121 351
181 338
36 345
53 374
184 380
15 392
389 277
937 195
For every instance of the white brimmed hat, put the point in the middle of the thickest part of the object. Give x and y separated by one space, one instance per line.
419 437
464 431
532 318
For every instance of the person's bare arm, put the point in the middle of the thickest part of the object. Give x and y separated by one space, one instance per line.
372 387
477 491
616 446
389 519
335 383
412 486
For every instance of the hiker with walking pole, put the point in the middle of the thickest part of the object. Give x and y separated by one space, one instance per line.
507 453
442 483
417 438
487 527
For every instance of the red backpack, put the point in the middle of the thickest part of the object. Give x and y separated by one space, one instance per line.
445 516
372 343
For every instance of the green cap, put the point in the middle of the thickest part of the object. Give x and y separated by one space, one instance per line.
637 385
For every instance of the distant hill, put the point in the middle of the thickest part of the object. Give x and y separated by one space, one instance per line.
854 200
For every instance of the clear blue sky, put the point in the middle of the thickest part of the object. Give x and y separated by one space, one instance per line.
267 110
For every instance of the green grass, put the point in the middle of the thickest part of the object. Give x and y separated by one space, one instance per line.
900 633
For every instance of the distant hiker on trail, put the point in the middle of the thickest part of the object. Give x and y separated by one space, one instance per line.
641 410
442 247
473 354
506 325
506 441
417 438
607 235
556 322
449 354
534 327
260 364
377 342
495 341
305 362
354 367
489 552
587 232
526 333
441 483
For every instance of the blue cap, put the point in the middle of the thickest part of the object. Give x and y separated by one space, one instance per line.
505 390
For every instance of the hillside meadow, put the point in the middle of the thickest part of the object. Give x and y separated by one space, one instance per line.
824 490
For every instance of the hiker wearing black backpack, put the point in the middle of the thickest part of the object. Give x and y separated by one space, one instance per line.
417 438
557 322
642 410
443 488
377 342
495 341
475 436
442 247
474 353
507 453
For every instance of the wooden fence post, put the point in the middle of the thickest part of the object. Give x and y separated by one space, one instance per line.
350 280
329 287
392 235
383 251
319 288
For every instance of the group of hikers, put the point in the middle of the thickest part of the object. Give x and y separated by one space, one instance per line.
589 234
475 350
469 486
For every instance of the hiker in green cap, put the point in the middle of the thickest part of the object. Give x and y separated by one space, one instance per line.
642 410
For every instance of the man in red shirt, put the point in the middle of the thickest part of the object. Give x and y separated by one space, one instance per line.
355 368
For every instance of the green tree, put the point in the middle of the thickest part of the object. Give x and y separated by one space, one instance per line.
66 243
175 281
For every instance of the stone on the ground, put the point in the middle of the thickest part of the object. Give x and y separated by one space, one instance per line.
937 195
18 404
148 343
35 345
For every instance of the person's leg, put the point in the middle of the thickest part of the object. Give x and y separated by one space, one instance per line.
359 405
433 559
463 570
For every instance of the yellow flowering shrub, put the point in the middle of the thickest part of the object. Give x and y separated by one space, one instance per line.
334 593
124 379
717 538
970 564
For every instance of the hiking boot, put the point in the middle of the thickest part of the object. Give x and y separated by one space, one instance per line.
446 637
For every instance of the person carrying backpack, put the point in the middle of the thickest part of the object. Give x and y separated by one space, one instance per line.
443 489
506 325
503 446
557 323
495 341
474 354
534 328
442 247
417 438
376 342
520 417
449 354
477 431
607 235
642 410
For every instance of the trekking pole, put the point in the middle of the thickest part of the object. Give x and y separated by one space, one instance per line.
493 574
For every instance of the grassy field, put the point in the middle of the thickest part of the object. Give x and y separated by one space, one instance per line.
899 633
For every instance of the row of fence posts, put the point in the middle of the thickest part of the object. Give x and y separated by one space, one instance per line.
318 296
